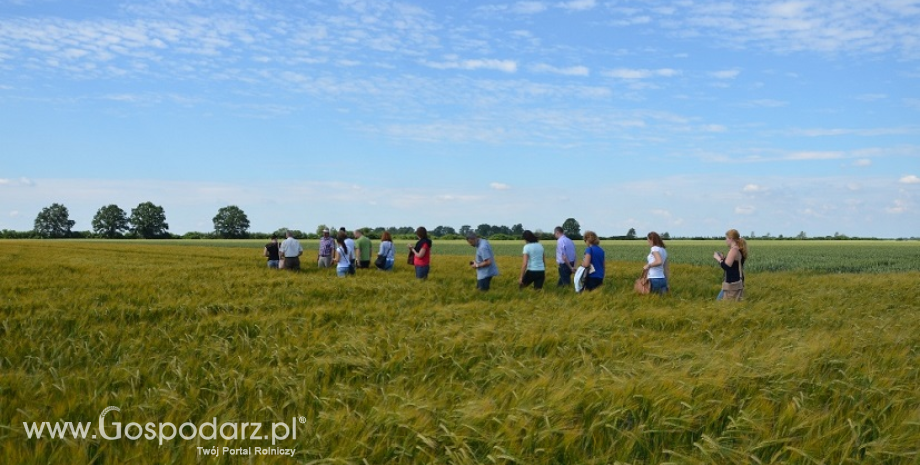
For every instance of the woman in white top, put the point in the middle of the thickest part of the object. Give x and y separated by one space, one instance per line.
342 256
533 268
658 269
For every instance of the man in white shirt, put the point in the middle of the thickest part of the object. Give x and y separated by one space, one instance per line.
565 257
292 251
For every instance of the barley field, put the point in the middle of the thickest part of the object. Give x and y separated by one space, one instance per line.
819 364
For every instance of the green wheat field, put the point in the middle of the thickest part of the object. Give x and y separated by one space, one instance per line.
819 364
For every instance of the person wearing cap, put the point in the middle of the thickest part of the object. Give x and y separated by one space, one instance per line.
326 247
484 264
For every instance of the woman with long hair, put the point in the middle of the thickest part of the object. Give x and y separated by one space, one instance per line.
342 256
421 253
733 265
658 269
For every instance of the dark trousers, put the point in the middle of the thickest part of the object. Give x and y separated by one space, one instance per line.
565 275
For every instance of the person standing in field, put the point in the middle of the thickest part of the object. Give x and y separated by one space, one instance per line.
565 257
351 247
733 265
593 261
271 252
292 251
342 256
387 251
484 263
421 253
326 248
533 267
658 267
362 249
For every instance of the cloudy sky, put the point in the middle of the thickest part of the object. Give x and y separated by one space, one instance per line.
685 116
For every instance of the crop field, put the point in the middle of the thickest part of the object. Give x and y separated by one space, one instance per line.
196 343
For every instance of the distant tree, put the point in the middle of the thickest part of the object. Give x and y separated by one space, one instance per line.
110 221
571 228
464 230
149 221
54 222
441 231
517 229
231 223
752 235
320 228
666 236
631 234
802 235
484 230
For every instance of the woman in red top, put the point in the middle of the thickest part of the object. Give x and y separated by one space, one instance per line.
422 253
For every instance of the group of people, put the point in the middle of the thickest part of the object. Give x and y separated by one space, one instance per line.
348 254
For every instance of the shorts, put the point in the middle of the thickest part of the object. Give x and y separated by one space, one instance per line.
535 277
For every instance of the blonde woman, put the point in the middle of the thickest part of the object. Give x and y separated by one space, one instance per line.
594 260
733 264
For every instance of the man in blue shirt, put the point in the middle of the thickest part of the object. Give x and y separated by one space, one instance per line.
484 264
565 257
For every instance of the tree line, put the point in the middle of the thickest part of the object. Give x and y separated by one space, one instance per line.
148 221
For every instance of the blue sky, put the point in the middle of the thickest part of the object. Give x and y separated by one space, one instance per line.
686 116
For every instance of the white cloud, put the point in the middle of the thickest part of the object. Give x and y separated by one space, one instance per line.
862 162
899 207
910 179
744 210
726 74
528 8
629 73
499 186
570 71
507 66
753 188
578 5
814 156
14 213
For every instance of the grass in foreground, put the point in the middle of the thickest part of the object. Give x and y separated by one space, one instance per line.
385 369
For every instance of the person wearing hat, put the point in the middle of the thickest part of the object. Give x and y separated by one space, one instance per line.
326 247
484 264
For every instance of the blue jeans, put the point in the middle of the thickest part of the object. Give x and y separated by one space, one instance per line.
273 264
341 271
659 285
389 265
565 275
421 272
484 283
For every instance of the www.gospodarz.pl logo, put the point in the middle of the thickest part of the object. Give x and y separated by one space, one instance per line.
166 431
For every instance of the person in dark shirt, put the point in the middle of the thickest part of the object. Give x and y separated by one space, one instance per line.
271 252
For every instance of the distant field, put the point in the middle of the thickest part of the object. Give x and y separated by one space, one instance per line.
820 364
819 256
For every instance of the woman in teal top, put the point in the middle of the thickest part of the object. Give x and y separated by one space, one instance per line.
533 268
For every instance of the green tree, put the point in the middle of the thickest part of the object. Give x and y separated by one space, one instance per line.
631 234
231 223
110 221
54 222
571 228
149 221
